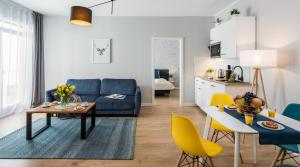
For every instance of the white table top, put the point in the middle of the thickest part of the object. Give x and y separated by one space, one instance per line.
238 126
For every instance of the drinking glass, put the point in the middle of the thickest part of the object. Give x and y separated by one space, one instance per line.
271 112
249 118
221 107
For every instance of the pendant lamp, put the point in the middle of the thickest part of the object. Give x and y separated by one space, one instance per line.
82 16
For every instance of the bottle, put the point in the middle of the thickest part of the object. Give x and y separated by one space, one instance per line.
228 72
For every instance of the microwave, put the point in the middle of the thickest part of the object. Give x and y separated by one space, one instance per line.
215 50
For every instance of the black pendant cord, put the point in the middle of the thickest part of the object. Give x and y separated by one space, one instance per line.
110 1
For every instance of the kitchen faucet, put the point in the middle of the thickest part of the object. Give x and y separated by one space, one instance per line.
240 77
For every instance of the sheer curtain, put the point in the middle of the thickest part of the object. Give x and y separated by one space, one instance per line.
16 57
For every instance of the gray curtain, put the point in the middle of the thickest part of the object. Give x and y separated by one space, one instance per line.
38 91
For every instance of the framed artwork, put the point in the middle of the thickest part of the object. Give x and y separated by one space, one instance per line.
101 51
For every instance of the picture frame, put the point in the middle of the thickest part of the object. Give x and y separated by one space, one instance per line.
101 51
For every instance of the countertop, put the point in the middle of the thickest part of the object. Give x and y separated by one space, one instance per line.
226 83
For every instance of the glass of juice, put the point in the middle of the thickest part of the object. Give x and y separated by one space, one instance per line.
221 107
249 118
271 112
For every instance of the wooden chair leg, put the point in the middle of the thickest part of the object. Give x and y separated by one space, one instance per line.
213 135
242 161
194 161
179 160
216 138
211 162
283 156
276 157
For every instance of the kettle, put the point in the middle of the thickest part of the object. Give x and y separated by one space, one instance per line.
221 73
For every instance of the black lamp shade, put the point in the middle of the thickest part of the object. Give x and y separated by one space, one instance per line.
81 16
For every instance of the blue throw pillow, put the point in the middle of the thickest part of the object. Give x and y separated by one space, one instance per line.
156 74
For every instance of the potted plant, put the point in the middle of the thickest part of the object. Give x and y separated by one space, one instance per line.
209 73
249 103
234 12
64 92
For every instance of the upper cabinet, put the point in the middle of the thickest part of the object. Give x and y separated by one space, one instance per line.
235 35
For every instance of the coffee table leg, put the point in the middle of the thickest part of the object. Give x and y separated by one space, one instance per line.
29 135
28 126
85 132
48 119
83 126
93 117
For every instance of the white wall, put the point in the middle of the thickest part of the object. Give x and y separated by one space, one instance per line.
166 56
278 27
68 48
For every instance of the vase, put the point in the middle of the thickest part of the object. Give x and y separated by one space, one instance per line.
64 101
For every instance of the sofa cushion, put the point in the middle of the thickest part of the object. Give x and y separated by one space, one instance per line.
103 103
118 86
88 98
86 86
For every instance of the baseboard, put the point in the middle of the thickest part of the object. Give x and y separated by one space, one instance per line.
188 104
146 104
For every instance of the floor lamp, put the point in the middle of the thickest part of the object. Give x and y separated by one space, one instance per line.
258 59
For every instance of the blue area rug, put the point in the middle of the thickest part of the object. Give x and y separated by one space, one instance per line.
111 139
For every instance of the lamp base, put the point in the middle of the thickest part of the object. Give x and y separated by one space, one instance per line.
254 88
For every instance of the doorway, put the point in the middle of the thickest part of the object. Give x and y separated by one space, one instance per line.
167 70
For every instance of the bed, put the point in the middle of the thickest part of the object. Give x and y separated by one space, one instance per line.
161 82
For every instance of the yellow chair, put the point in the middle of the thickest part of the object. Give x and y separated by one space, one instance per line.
193 146
221 99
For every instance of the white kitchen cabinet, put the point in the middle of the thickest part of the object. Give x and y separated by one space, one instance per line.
235 35
205 89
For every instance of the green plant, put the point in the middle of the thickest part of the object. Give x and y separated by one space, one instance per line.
234 12
210 70
232 77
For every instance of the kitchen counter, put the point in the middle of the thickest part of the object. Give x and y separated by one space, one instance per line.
226 83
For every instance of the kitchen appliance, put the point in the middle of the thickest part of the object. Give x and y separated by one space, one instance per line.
215 50
221 74
228 72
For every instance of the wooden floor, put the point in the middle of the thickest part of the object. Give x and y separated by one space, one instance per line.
154 145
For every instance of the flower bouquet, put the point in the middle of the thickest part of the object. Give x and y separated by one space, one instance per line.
63 92
249 103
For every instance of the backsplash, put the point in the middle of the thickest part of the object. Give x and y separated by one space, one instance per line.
202 63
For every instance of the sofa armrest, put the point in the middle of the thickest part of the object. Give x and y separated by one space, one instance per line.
138 101
49 96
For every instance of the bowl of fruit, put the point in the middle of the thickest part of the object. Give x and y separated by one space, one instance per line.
249 103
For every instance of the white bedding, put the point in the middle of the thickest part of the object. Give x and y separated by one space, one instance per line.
163 84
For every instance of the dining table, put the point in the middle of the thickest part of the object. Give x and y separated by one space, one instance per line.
240 127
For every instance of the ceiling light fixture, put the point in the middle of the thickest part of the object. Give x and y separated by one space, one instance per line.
82 16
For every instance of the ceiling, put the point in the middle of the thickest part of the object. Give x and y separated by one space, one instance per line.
131 7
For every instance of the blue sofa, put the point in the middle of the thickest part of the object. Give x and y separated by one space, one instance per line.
95 90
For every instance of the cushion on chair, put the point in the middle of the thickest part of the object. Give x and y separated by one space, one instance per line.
86 86
290 147
103 103
216 125
212 149
118 86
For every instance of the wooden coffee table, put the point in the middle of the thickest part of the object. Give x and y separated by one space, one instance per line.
52 110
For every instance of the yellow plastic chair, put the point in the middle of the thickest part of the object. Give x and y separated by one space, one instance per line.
216 100
193 146
220 99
